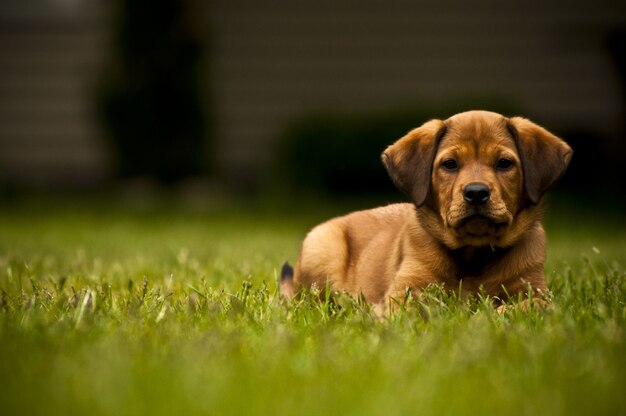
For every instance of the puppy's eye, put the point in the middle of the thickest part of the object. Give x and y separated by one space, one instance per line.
450 165
504 164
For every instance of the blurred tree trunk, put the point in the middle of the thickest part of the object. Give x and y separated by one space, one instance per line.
617 50
151 100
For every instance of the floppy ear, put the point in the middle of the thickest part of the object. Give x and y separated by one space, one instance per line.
409 161
544 156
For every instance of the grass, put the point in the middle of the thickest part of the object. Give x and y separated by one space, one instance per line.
108 310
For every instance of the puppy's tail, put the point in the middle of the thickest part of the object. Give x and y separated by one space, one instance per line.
287 288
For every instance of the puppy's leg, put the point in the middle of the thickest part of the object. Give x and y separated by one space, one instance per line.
392 303
324 259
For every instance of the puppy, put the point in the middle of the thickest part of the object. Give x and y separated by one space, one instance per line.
476 183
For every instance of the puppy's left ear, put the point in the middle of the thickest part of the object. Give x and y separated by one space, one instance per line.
409 160
544 156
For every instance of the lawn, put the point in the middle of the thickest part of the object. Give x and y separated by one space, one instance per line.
174 310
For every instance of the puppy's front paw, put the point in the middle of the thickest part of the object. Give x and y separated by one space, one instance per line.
525 306
381 311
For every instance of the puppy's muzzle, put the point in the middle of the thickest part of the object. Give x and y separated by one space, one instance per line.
476 193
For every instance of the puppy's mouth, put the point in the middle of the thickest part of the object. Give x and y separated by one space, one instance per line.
479 225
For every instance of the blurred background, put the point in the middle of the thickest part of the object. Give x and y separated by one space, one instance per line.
241 97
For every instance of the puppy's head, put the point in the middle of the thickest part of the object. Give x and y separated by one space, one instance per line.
477 177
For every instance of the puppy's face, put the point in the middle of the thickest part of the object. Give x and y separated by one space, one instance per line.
477 180
477 176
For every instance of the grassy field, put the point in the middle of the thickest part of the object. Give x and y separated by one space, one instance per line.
125 311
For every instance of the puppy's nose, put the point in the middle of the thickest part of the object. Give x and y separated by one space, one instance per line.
476 193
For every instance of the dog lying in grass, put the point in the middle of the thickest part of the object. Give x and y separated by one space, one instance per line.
476 183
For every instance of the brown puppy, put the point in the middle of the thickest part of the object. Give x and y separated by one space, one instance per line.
476 181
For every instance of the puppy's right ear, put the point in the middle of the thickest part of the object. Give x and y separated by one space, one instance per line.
409 161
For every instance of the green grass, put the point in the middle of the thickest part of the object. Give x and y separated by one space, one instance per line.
174 311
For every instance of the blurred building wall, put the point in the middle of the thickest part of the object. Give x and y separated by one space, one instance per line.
50 52
275 61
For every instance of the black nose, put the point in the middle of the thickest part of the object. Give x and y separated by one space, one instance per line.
476 193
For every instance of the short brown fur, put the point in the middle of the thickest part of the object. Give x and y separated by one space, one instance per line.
497 247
